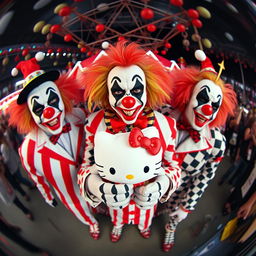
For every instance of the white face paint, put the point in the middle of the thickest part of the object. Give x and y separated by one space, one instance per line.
127 92
47 108
204 104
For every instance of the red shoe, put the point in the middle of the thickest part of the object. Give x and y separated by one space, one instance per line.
167 247
115 235
95 231
146 233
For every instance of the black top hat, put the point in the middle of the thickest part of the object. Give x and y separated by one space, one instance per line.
33 76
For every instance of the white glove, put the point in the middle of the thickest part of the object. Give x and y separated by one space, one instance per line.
179 214
113 195
147 196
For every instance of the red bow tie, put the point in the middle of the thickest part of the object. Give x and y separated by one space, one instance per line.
120 125
66 128
194 134
137 139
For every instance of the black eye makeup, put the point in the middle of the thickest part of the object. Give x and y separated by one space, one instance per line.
53 99
202 97
37 108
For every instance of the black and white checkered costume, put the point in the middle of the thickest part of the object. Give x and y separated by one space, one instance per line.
199 162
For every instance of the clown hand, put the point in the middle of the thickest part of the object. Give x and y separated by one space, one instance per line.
147 196
180 214
113 195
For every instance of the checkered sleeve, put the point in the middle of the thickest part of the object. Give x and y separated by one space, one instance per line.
200 181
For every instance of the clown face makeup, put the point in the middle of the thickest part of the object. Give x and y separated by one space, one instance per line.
204 104
46 107
127 92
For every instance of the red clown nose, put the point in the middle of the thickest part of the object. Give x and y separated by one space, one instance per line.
48 113
128 102
207 110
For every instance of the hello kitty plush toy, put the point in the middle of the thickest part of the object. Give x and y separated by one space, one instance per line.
127 142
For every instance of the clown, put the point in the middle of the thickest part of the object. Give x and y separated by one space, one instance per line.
202 103
127 84
51 151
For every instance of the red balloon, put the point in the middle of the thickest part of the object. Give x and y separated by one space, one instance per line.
100 28
176 2
68 38
163 52
59 50
197 23
121 38
83 49
50 51
17 58
167 45
151 27
89 53
55 28
155 52
180 27
192 13
24 52
65 11
147 13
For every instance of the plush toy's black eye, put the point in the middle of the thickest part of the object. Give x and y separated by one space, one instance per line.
146 169
112 170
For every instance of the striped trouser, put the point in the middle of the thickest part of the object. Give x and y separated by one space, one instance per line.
132 214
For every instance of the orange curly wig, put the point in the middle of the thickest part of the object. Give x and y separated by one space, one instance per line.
21 117
94 78
185 81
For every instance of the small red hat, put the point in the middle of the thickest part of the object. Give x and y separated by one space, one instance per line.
33 75
206 64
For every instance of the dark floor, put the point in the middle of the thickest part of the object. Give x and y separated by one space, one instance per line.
56 230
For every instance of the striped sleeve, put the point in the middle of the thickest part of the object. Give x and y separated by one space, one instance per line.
27 155
172 170
87 165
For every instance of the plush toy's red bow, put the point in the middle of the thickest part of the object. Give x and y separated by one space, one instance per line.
137 139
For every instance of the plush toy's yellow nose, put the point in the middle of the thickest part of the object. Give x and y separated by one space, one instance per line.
129 177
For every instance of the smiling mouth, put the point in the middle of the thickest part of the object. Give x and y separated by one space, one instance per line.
130 114
53 124
200 120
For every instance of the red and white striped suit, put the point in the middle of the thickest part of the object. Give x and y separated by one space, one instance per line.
47 163
131 214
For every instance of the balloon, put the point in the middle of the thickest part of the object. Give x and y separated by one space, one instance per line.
192 13
151 27
55 28
176 2
100 28
38 26
180 27
68 38
147 13
197 23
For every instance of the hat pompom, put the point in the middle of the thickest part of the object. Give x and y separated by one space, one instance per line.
14 72
39 56
200 55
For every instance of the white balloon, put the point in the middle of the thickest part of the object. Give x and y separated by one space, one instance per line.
40 4
5 20
105 45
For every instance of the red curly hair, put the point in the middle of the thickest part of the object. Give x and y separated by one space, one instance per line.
94 78
185 81
21 117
